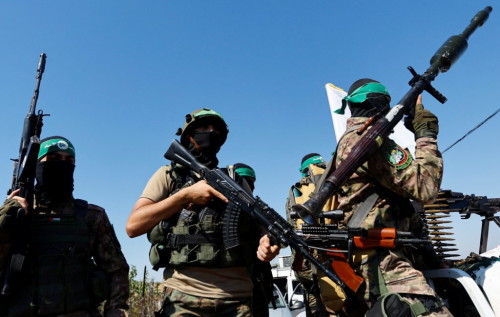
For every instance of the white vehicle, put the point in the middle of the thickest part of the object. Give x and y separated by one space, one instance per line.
284 279
282 308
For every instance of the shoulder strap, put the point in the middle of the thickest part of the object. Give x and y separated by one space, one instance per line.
363 209
179 176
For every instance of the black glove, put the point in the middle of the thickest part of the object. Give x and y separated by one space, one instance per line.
424 124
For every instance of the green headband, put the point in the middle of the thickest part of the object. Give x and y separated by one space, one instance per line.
56 145
206 111
309 161
244 171
361 94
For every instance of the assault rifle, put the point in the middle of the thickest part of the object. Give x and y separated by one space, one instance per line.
466 205
240 200
24 179
339 245
441 61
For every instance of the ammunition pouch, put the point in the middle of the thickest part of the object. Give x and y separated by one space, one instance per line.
192 239
159 236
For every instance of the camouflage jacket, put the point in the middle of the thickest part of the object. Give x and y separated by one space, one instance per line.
105 250
395 175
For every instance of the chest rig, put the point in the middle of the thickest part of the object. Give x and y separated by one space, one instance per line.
57 279
193 237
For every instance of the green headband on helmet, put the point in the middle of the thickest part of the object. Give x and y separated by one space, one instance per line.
245 171
309 161
205 112
361 94
56 145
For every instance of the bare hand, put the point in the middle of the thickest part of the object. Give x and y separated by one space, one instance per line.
21 200
201 193
266 252
419 100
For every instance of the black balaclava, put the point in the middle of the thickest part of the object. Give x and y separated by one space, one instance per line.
54 181
374 104
209 143
247 173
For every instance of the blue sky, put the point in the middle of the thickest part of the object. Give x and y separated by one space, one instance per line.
121 75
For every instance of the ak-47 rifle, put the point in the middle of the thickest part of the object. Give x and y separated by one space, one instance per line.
339 245
466 205
441 61
24 179
240 200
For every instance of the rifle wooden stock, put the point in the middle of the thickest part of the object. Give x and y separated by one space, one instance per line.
341 266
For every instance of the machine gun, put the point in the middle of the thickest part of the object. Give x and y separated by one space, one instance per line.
339 244
240 200
441 61
466 205
24 179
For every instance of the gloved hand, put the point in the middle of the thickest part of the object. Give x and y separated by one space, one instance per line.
424 124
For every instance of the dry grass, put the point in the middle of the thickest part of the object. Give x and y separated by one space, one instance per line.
146 295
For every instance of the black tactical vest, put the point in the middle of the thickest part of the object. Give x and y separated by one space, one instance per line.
56 280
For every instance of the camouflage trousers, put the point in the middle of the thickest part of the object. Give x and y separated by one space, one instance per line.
179 304
399 276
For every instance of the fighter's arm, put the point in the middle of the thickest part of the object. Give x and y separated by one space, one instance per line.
21 200
147 213
418 177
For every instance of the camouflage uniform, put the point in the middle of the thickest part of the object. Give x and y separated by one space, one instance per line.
396 177
104 250
178 304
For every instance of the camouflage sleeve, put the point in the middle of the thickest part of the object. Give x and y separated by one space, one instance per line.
417 178
7 227
7 219
107 254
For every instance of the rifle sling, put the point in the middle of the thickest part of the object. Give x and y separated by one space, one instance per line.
363 209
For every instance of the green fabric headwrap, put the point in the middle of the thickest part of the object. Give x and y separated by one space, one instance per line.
55 145
309 161
244 171
361 94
